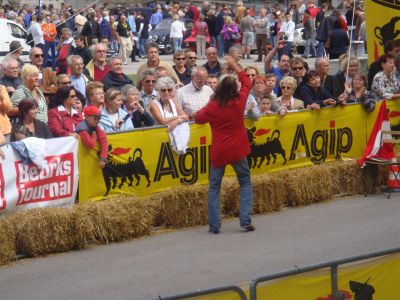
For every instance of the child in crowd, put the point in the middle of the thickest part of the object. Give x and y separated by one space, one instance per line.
265 105
91 133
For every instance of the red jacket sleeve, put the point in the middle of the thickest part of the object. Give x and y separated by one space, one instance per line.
55 123
89 140
245 89
102 138
201 116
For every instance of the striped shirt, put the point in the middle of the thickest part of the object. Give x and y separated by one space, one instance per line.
192 99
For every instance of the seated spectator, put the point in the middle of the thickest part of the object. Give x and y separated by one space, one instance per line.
113 117
15 53
160 72
252 72
134 106
235 51
195 95
95 94
191 59
19 132
30 89
64 119
313 94
79 75
81 50
91 134
115 77
11 78
147 84
180 69
358 93
385 85
271 84
298 70
266 105
80 102
212 81
342 77
28 109
287 102
166 111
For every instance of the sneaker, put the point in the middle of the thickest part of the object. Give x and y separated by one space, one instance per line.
213 230
248 57
248 228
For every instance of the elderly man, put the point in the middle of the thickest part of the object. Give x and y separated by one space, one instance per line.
115 78
196 94
47 77
10 79
328 81
98 67
78 77
147 84
236 52
153 61
212 65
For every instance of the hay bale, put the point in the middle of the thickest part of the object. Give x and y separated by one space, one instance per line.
184 206
374 177
230 197
269 193
116 219
7 242
47 230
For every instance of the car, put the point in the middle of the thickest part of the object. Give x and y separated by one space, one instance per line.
160 34
11 31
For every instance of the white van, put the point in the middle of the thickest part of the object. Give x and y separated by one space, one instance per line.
11 31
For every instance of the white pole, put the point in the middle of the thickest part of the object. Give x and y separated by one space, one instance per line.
351 38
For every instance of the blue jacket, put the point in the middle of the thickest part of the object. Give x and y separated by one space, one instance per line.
108 126
105 29
307 94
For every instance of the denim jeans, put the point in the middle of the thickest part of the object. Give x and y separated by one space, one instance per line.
310 46
320 49
52 47
213 41
220 45
177 42
242 171
142 43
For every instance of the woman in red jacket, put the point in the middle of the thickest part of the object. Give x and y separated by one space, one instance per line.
230 144
64 119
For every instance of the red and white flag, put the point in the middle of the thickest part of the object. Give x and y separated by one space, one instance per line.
375 150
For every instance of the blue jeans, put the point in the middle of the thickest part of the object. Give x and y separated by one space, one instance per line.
220 45
288 49
213 41
310 46
142 42
242 171
320 49
52 47
177 44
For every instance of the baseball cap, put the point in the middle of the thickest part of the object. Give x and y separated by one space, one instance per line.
91 111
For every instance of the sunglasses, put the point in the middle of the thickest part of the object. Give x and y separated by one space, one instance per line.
286 87
192 57
165 90
180 58
297 68
150 81
96 117
66 83
38 55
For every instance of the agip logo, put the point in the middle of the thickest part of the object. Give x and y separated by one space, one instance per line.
388 3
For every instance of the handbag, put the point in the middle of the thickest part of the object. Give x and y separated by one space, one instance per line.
235 36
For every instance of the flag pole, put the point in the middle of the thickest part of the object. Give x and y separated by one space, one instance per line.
351 39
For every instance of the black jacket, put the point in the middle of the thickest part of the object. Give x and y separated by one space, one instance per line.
91 30
307 94
112 80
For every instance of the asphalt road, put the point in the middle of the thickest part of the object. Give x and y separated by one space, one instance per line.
191 259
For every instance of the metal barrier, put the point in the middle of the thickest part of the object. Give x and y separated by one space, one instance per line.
333 265
233 288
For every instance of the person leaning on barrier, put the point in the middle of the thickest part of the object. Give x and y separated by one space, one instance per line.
166 111
113 117
27 117
90 133
64 118
358 93
343 76
30 89
134 106
385 85
287 102
79 74
95 94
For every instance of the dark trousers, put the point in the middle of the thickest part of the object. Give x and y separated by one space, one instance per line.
261 42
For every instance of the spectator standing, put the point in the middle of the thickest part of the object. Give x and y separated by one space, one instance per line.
81 50
338 41
49 36
230 145
247 29
240 11
148 92
64 49
15 53
287 33
196 94
47 78
105 27
212 65
309 34
115 78
176 33
125 38
36 31
228 29
211 20
64 119
201 31
220 23
180 69
261 29
10 80
287 101
156 18
91 30
5 108
144 29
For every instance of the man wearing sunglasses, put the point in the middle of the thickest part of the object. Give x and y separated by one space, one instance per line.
47 77
147 85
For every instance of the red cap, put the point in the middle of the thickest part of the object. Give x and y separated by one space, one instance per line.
91 110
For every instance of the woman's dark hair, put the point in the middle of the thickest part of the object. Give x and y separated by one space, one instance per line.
337 24
309 75
62 94
81 98
226 90
25 105
383 59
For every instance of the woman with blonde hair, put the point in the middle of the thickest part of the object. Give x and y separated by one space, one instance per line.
287 102
95 94
176 33
229 31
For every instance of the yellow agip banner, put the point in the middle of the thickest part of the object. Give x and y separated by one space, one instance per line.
142 162
383 24
376 279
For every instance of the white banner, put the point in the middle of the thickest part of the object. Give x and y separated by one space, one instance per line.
25 186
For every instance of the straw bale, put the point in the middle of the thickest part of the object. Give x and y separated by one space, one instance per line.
7 242
184 206
269 193
116 219
230 196
47 230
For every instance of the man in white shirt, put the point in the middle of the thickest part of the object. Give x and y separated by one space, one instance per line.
195 95
287 34
37 34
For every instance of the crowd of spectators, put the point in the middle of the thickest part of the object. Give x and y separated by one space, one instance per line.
50 94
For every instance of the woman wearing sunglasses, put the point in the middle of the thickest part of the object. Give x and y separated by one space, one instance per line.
287 102
165 110
64 119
